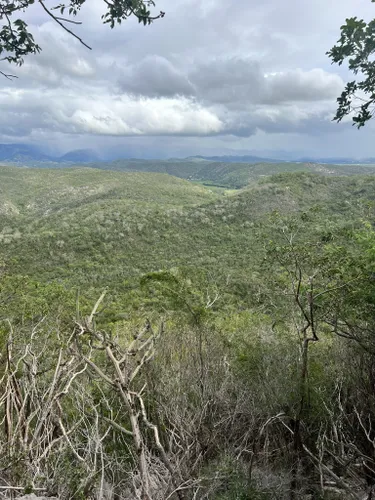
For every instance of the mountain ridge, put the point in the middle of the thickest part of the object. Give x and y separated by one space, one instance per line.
31 155
21 153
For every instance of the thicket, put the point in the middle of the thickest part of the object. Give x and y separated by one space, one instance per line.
255 382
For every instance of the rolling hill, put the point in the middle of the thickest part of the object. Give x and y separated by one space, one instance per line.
91 228
229 175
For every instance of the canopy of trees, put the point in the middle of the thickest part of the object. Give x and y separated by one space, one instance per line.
161 339
356 46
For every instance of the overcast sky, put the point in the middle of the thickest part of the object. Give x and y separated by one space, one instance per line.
212 77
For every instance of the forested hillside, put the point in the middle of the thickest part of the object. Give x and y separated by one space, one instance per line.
194 342
91 228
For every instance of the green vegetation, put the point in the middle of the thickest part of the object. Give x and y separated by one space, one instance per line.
237 323
94 229
356 46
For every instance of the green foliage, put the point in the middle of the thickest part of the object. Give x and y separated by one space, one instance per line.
175 292
357 45
15 40
88 229
221 270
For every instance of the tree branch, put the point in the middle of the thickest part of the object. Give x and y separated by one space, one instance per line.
57 20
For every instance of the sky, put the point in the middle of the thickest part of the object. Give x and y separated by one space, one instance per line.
212 77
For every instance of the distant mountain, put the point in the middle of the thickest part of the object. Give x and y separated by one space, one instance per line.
29 155
34 156
338 160
307 159
21 152
80 155
236 159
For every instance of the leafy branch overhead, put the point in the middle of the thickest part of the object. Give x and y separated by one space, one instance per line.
16 41
356 46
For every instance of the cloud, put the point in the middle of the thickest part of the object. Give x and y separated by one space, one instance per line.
297 85
224 70
242 82
95 113
228 81
126 116
91 111
62 59
155 76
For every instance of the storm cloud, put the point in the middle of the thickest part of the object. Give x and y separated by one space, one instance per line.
235 74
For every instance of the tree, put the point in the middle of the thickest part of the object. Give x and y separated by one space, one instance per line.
16 41
357 45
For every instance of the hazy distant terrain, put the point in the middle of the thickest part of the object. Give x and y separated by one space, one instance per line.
226 171
30 155
231 175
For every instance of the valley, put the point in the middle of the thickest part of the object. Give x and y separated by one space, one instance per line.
95 228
